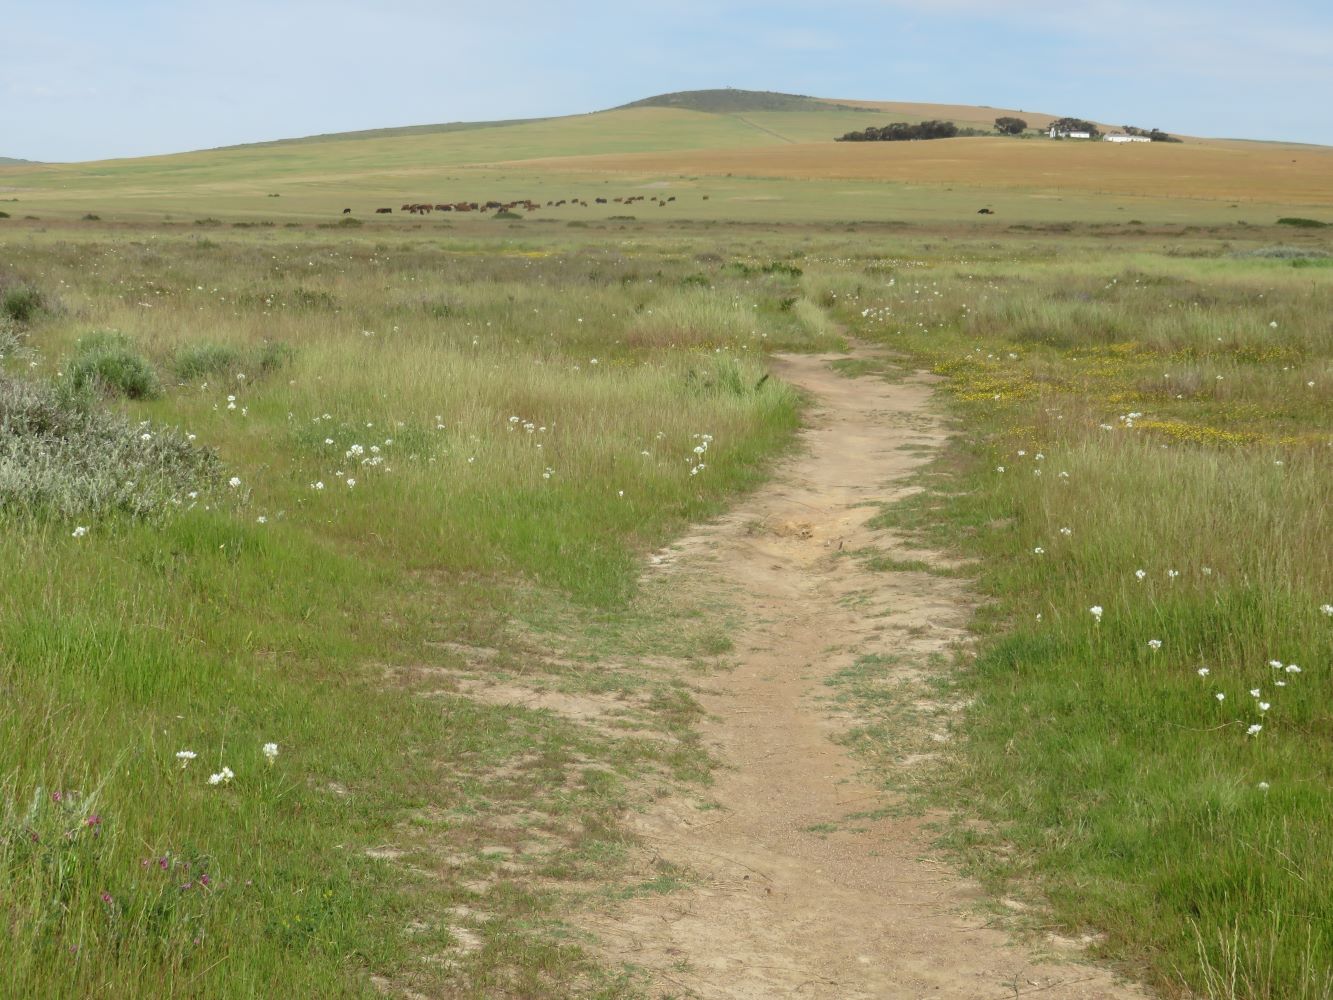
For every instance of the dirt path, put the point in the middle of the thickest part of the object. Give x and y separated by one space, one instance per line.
792 900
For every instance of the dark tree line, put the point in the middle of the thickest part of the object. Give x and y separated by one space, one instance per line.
901 131
1155 134
1008 125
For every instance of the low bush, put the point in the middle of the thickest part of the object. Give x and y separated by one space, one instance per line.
60 454
1285 253
108 361
21 303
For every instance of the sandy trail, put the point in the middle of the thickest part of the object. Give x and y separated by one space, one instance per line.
781 906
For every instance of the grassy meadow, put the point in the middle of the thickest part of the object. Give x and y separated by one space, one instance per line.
284 497
403 451
1144 487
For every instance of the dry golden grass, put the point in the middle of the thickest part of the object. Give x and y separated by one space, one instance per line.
1220 170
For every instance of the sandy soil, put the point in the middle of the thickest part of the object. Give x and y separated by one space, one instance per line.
788 898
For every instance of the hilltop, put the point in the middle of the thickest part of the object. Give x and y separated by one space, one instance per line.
729 100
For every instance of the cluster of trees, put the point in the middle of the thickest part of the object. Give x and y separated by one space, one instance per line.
1008 125
900 131
1155 134
1075 125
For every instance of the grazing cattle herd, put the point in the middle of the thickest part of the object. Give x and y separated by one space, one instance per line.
525 204
528 205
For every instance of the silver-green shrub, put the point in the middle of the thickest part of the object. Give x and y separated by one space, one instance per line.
60 454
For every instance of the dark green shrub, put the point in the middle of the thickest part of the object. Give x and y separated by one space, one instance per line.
107 361
1293 220
21 303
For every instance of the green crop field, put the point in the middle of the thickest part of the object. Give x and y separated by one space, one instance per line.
283 497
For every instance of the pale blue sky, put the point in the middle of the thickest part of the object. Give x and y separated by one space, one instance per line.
84 79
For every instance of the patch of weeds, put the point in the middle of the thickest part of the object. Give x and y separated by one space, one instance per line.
9 337
715 642
194 361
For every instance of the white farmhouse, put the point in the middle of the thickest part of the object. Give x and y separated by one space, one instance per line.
1122 137
1062 134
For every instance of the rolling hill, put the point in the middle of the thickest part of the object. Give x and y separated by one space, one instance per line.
759 155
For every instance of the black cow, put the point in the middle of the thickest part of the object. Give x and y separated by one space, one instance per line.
347 211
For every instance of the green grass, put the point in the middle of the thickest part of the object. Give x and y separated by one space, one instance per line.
520 425
365 629
1167 417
